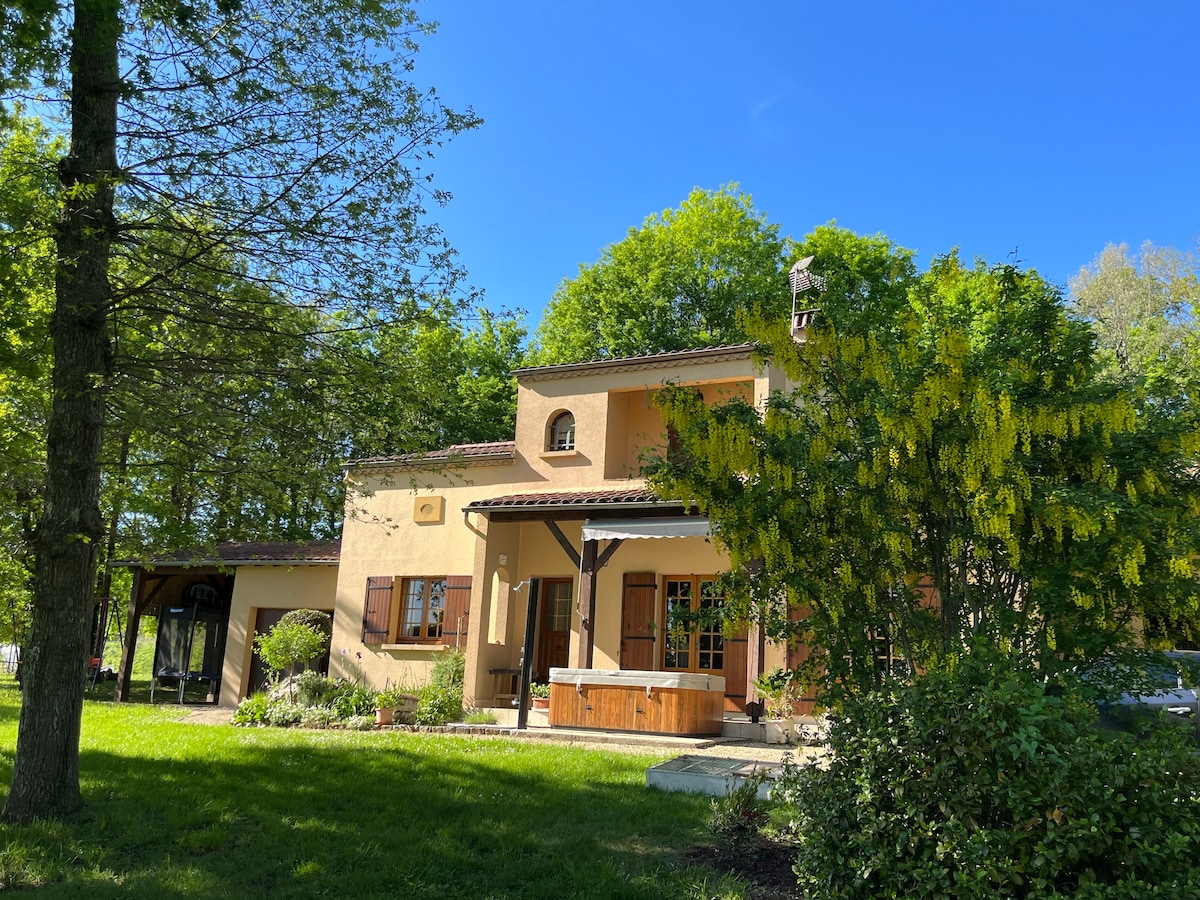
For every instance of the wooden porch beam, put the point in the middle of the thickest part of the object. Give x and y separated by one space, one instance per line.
568 548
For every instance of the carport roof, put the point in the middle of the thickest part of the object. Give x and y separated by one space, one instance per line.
576 505
245 553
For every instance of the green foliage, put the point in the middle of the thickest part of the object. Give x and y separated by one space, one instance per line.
947 437
355 700
388 698
283 713
780 689
439 705
316 619
252 710
449 670
314 689
1142 306
679 281
985 781
740 812
538 690
289 645
480 717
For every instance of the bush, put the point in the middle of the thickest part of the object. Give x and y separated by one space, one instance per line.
315 689
360 723
741 811
283 713
439 705
288 646
449 671
312 618
985 782
252 710
354 700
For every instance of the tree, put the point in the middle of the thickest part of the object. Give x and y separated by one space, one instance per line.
949 472
1142 306
282 144
681 280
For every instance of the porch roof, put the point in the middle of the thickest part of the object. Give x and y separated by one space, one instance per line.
614 503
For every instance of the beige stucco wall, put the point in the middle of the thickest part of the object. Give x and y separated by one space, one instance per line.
267 587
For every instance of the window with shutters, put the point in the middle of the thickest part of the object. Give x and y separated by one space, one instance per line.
425 609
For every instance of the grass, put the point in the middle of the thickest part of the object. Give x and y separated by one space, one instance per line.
184 810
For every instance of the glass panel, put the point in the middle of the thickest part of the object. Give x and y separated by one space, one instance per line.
711 656
437 608
413 613
677 636
562 433
558 606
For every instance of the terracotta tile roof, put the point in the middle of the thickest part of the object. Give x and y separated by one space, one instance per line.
494 450
234 553
639 496
665 359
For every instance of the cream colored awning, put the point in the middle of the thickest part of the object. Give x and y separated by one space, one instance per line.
626 529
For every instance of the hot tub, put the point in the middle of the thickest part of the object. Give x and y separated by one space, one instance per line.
678 703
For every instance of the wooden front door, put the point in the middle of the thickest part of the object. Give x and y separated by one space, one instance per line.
555 640
637 620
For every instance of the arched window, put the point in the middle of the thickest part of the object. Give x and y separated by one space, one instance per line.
562 432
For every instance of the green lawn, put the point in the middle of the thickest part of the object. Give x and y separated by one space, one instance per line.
180 810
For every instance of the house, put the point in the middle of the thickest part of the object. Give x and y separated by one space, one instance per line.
444 549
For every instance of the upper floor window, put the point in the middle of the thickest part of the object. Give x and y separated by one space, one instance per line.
562 432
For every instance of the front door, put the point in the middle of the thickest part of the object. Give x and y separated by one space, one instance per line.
555 640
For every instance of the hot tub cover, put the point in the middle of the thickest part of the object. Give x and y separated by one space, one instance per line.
688 681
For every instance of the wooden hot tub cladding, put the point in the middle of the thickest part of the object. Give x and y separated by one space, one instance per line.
653 702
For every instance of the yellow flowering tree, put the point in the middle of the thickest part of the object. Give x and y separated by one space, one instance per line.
948 471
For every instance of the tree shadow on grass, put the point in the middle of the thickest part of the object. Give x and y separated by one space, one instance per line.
232 812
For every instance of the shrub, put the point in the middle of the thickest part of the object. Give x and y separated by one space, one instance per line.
313 618
439 705
355 700
282 713
449 671
288 646
986 782
317 717
252 710
360 723
741 811
315 689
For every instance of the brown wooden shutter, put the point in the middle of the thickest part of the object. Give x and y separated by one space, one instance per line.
458 611
637 620
736 648
377 609
797 655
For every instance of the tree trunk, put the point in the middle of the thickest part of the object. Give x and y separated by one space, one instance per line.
45 780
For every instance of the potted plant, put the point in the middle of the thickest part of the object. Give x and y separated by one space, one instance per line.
385 705
779 691
539 694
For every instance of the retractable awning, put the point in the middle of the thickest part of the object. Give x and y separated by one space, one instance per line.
625 529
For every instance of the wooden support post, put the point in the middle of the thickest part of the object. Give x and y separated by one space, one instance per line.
132 621
587 596
531 611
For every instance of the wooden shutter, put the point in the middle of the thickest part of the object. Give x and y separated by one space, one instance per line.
377 609
637 620
458 610
736 647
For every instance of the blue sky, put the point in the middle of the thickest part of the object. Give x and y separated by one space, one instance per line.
1048 129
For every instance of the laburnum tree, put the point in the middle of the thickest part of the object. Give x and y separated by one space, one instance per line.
681 280
280 149
948 472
